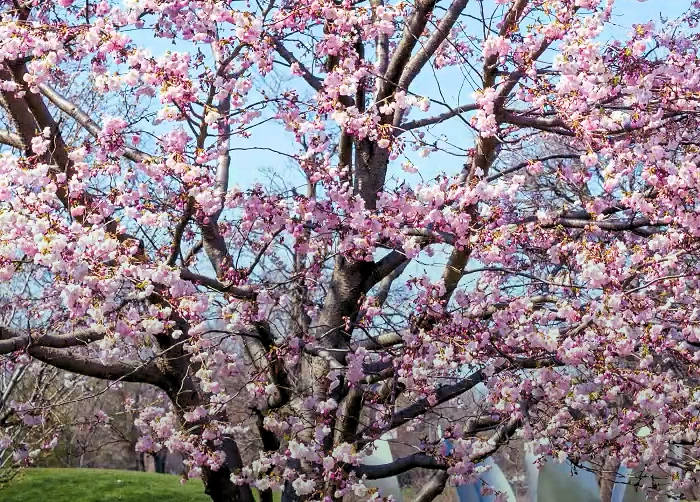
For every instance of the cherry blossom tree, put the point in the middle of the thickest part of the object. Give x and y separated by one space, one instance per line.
26 386
495 194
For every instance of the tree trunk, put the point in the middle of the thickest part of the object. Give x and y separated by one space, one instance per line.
608 477
141 462
289 494
218 485
159 461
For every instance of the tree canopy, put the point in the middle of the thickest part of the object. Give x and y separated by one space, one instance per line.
482 214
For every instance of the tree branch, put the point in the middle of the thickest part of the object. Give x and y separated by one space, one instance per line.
11 139
412 32
433 488
382 45
260 350
290 58
82 118
18 112
176 245
387 265
442 395
415 124
582 219
11 340
400 466
523 165
554 124
89 366
381 341
418 61
433 235
239 292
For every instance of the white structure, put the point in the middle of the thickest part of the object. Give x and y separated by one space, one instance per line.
382 455
554 482
625 490
494 478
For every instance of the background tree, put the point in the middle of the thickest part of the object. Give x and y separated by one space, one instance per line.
539 238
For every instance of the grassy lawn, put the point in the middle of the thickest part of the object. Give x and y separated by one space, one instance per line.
99 485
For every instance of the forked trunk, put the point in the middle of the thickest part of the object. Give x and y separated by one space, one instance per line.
219 487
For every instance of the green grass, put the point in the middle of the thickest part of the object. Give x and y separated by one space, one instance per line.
99 485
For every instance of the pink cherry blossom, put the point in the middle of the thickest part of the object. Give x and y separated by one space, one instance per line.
490 228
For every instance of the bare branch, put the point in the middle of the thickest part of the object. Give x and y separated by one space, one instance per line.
400 466
381 341
82 118
224 163
382 50
89 366
412 31
418 61
616 224
259 348
262 251
443 394
11 139
178 233
290 58
11 340
437 119
388 264
553 124
433 488
433 235
240 292
526 163
13 343
583 219
385 284
18 112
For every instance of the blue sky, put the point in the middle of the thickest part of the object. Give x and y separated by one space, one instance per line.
452 85
251 165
